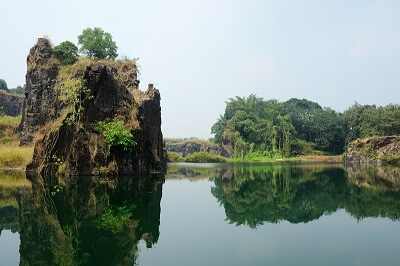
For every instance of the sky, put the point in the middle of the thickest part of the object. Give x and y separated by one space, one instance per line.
200 53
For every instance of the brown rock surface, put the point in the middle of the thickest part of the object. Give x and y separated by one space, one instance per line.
374 150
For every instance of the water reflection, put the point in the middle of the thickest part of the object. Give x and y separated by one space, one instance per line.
253 194
88 221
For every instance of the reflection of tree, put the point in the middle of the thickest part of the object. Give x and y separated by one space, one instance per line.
88 221
271 193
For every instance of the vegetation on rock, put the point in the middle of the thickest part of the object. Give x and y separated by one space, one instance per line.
3 85
66 52
97 43
115 134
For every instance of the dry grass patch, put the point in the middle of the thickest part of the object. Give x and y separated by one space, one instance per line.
15 157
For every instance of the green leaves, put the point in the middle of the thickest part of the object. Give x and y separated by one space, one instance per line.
66 52
115 134
97 43
73 92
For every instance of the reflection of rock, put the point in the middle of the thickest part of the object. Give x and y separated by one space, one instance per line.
387 177
374 150
85 221
193 173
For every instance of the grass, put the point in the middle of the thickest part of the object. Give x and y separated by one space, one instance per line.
15 156
13 179
9 121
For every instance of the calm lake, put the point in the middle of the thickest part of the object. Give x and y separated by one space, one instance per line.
205 214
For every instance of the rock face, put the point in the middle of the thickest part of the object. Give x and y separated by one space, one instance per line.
187 147
374 150
75 145
41 104
12 104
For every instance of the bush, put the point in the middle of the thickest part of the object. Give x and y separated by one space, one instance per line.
174 157
204 157
66 52
116 135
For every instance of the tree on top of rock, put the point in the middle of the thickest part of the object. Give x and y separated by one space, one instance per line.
67 52
97 43
3 85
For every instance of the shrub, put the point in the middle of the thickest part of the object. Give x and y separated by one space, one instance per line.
115 134
66 52
204 157
174 157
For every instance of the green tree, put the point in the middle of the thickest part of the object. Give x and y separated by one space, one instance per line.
66 52
18 90
3 85
97 43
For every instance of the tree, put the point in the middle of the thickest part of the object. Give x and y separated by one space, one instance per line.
3 85
18 90
97 43
66 52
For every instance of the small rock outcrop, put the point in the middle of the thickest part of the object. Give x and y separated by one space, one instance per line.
186 147
41 104
11 104
72 143
374 150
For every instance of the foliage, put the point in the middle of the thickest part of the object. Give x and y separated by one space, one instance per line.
114 217
115 134
66 52
97 43
174 157
368 120
253 125
257 193
204 157
3 85
73 92
17 90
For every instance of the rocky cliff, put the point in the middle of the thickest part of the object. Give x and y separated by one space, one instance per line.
186 147
41 104
11 104
68 104
374 150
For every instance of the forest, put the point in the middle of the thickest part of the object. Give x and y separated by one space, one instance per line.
274 129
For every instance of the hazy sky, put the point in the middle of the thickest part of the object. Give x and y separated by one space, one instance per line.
199 53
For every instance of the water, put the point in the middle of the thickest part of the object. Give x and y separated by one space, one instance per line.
206 214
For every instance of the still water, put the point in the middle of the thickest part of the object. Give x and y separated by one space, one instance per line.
205 214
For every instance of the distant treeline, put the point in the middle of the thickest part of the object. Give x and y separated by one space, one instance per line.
254 126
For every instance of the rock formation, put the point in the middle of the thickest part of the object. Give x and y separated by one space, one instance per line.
11 104
72 142
374 150
186 147
41 103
